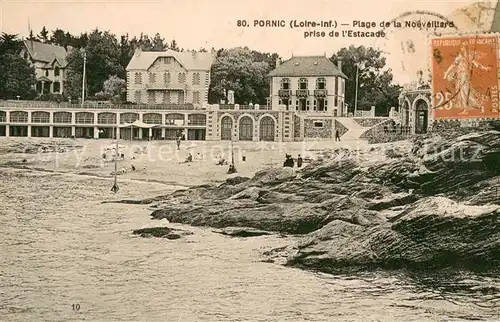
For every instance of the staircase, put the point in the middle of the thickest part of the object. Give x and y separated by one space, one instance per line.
354 129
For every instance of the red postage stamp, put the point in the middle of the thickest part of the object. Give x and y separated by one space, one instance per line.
465 76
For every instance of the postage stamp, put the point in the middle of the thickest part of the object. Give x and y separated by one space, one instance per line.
465 76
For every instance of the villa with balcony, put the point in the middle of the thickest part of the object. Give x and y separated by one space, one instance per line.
311 84
313 89
50 65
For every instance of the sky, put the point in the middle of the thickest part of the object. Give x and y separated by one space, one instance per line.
206 23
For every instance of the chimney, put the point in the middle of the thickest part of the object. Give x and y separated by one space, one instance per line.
137 52
339 64
278 62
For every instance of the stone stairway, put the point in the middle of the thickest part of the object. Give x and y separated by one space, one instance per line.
354 129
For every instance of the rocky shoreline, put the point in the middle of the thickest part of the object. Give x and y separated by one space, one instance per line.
431 204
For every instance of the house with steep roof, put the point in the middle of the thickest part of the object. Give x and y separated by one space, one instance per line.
169 77
50 65
308 84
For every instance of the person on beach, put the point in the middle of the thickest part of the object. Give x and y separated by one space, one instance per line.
337 135
189 158
221 161
178 142
299 161
288 162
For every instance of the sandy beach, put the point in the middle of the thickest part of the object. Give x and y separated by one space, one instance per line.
159 161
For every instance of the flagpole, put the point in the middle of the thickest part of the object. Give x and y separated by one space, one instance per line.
84 76
115 187
356 95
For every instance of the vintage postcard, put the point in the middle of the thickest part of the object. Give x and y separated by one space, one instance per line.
167 160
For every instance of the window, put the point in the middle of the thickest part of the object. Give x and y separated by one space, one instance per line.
196 97
182 78
47 73
56 71
40 117
320 83
18 117
321 104
128 118
166 78
152 78
57 87
168 60
84 118
318 124
196 79
285 83
138 97
106 118
336 85
152 98
152 118
197 119
166 97
303 83
138 78
62 117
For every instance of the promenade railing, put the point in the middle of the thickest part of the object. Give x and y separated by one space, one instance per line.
91 105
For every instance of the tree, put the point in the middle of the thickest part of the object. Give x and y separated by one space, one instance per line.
43 36
61 38
17 76
173 46
158 43
235 69
103 60
145 43
9 43
375 84
114 88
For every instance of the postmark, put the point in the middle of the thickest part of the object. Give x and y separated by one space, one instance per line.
405 44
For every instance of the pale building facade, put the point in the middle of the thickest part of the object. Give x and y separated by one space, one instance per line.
169 77
310 84
50 65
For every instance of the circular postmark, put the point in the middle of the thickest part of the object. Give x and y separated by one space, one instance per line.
405 44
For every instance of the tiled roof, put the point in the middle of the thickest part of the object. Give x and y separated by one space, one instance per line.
307 66
142 60
46 52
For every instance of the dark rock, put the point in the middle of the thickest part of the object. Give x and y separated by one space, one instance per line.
242 232
433 233
162 232
398 210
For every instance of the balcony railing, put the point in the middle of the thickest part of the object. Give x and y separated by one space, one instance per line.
320 92
302 93
93 105
285 92
163 86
